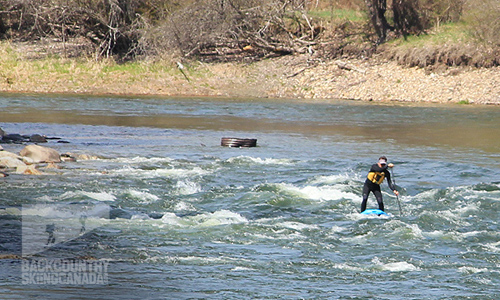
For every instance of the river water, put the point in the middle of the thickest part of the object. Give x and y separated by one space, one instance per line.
167 213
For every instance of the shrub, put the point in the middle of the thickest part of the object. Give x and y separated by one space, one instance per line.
227 30
110 24
483 17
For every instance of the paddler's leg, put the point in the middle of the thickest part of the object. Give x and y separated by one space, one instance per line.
380 202
366 192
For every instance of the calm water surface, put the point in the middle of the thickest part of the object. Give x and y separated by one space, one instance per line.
176 216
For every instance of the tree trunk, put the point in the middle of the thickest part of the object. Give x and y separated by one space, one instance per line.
376 9
406 17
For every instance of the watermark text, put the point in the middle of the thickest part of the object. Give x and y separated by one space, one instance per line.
64 271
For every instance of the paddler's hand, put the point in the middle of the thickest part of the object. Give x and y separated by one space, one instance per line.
390 165
396 193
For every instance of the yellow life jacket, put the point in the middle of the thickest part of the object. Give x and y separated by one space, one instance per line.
376 177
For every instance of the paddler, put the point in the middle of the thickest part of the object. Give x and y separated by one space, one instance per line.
376 176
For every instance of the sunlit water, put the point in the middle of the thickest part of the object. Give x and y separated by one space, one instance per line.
188 219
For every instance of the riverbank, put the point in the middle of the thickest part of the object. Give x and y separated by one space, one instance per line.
374 79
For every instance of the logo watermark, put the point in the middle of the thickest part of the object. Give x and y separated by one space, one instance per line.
45 226
64 271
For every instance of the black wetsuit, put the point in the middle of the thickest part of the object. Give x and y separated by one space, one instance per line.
375 188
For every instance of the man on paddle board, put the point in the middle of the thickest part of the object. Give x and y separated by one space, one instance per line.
378 172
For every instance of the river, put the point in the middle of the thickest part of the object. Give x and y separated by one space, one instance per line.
162 211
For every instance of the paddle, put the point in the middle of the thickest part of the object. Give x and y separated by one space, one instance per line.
397 196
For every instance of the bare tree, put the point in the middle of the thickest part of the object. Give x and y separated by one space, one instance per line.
406 17
412 16
377 9
112 26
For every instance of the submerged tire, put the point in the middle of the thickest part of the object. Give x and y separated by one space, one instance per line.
236 142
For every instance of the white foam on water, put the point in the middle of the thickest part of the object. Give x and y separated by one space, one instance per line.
48 211
142 160
63 196
187 187
142 196
358 239
100 196
242 269
319 193
472 270
10 211
456 236
298 226
260 161
183 206
64 211
181 173
428 194
438 234
221 217
347 267
337 229
399 228
172 219
448 216
466 208
495 247
401 266
482 281
472 233
140 216
330 179
202 260
161 172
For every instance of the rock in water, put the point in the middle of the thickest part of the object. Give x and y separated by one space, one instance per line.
39 154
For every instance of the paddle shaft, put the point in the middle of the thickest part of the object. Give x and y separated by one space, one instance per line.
397 196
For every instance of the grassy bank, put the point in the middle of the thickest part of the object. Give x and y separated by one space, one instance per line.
451 62
53 74
376 79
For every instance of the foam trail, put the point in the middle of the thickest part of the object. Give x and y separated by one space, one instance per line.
221 217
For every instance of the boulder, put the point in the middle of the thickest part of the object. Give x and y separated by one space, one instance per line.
10 160
14 138
75 157
36 138
28 170
39 154
52 166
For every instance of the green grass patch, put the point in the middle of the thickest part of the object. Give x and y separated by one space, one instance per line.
339 14
132 68
450 33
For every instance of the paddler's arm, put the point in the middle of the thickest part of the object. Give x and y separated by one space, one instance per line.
389 181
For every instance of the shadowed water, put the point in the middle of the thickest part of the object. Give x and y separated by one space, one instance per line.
188 219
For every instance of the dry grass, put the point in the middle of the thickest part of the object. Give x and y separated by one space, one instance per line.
77 75
483 18
471 41
56 67
432 56
148 77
